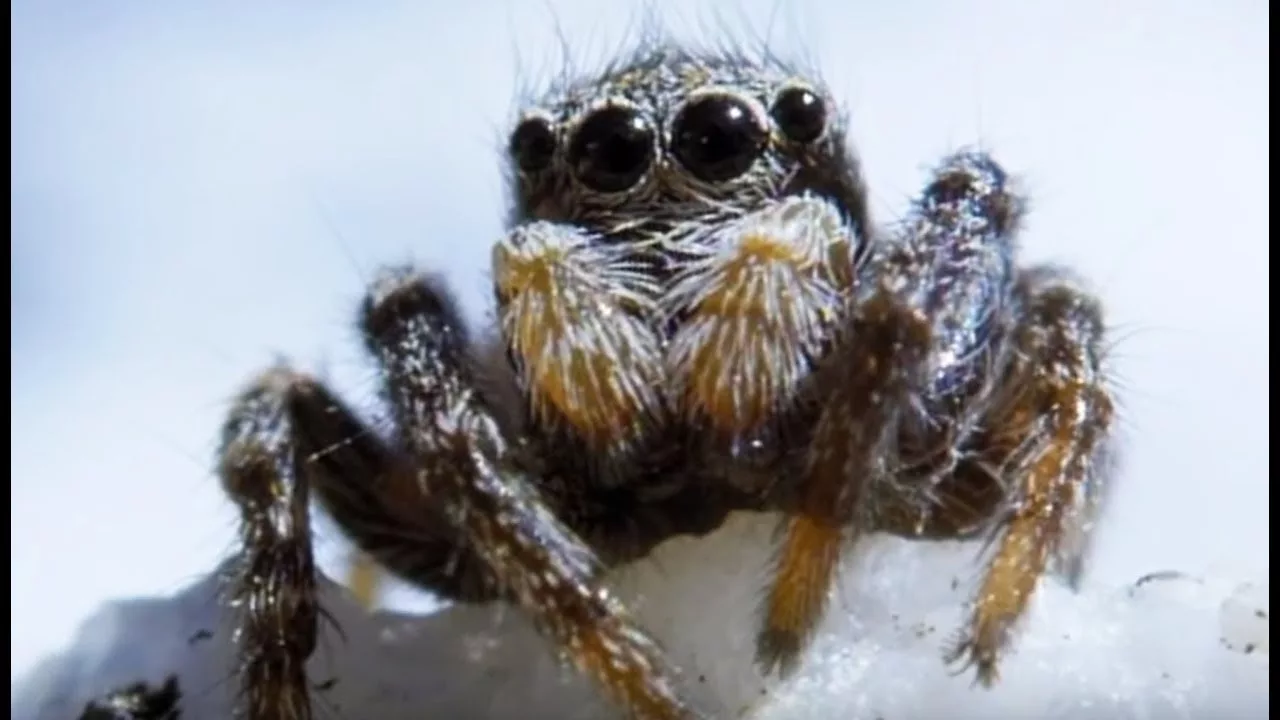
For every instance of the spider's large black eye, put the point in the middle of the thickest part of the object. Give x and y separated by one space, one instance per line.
717 137
612 149
800 114
533 144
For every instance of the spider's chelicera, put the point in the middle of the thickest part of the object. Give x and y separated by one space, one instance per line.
694 316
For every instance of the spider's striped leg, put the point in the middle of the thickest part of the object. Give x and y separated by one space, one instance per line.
466 468
756 306
924 311
1047 434
272 585
287 436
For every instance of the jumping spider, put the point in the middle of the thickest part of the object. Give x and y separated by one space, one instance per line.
695 316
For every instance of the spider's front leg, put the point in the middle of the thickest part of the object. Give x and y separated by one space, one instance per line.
286 437
467 469
263 465
759 306
924 307
450 489
1047 433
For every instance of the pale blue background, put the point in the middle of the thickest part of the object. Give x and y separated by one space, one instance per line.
200 186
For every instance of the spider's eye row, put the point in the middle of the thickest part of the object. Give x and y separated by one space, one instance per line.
533 144
717 137
800 114
612 149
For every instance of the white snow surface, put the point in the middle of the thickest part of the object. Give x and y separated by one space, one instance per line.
1167 646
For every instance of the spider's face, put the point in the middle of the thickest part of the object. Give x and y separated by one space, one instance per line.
674 140
651 201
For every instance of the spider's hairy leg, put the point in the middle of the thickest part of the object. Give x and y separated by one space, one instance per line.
273 585
864 382
577 314
467 469
929 296
287 436
369 488
754 307
1047 434
366 486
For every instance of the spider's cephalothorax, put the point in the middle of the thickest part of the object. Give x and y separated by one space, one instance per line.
694 316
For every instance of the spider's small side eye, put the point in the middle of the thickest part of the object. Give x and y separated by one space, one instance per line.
612 149
800 114
533 144
717 137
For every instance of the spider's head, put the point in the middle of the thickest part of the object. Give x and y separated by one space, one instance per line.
620 183
672 139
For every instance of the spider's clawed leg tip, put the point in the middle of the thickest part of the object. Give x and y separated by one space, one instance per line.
400 293
778 651
273 387
278 380
974 176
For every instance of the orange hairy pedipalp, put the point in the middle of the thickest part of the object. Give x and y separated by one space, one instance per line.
759 308
587 358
